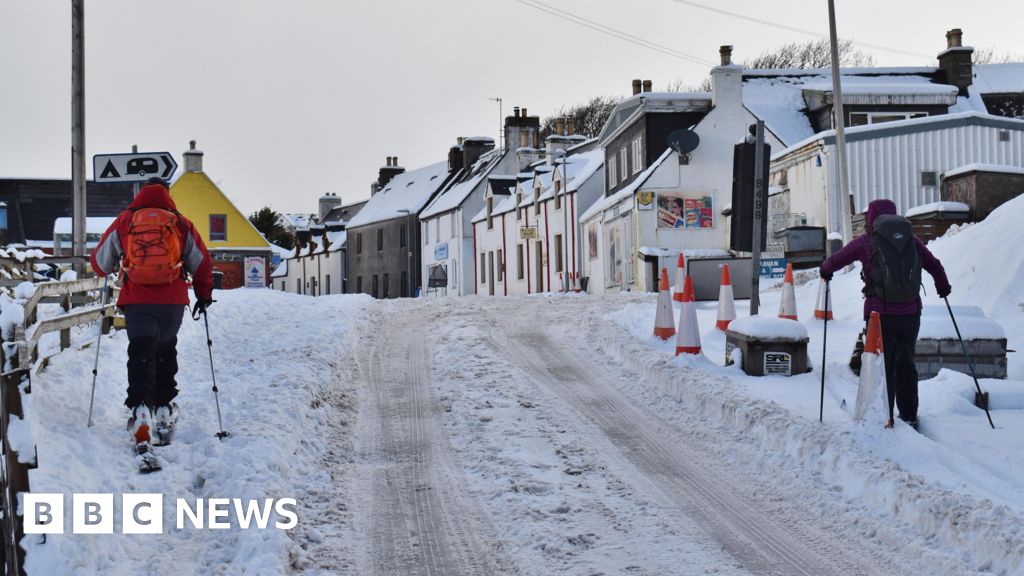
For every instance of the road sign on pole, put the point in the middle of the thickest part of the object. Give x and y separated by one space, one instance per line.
133 167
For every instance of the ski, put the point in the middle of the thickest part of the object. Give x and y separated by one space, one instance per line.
146 460
164 430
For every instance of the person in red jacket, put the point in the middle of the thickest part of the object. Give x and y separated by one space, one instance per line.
901 321
154 305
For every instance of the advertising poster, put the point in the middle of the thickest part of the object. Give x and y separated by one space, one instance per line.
685 211
255 272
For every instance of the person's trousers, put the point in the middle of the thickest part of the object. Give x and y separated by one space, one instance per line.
899 342
152 352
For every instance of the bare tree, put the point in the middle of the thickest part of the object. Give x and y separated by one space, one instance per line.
588 117
810 54
988 56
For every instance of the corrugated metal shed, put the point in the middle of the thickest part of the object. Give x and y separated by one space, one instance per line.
902 161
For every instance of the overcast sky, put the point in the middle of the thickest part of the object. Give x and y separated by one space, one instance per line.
292 99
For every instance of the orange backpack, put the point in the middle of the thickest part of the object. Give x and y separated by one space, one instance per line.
152 249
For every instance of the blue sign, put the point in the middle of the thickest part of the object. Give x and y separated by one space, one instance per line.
773 267
441 251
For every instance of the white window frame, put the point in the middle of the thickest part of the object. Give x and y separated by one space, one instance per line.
872 115
613 171
624 158
637 155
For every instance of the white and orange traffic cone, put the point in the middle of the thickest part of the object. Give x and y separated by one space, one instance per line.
787 308
664 324
688 337
823 309
726 304
680 278
872 397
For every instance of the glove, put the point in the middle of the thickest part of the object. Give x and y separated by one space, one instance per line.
825 275
943 291
201 305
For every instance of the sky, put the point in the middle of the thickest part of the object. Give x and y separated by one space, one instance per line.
293 99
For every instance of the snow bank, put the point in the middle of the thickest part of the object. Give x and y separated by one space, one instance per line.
279 360
936 324
938 207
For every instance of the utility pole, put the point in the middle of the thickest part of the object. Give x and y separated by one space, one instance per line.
78 129
501 122
756 237
841 198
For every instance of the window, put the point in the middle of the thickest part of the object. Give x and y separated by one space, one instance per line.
558 198
483 268
218 227
359 284
929 179
380 238
386 284
405 283
298 285
437 229
519 262
359 244
638 159
426 233
613 172
865 118
490 209
558 252
501 266
536 201
376 286
403 230
454 226
327 284
623 167
519 200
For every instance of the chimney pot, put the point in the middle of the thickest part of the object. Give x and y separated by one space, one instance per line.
647 85
524 111
460 139
636 87
726 53
515 111
191 144
572 125
395 160
954 38
560 125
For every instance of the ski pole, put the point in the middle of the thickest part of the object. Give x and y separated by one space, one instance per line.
99 338
970 363
213 376
824 343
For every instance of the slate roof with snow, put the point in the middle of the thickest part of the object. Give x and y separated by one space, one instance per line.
456 194
409 190
999 78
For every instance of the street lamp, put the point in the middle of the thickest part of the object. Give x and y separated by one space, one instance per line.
408 245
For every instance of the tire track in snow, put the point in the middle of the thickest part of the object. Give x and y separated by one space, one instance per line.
762 546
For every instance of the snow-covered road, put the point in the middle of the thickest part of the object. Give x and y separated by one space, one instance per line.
494 437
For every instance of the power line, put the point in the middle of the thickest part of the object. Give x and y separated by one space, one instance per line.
598 27
798 30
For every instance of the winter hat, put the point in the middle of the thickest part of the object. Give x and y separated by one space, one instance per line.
876 209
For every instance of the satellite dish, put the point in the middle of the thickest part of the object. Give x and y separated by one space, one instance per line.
683 141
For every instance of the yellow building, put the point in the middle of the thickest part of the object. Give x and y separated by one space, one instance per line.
234 243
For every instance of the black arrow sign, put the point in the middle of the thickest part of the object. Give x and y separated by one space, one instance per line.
168 167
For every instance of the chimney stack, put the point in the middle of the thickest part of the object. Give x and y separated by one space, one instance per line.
521 129
636 86
647 85
473 148
725 52
388 171
955 61
455 157
572 125
193 158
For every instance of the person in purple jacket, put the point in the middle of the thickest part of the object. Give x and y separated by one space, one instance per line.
900 320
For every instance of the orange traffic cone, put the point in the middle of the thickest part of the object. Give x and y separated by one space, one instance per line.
688 337
726 305
823 309
787 308
664 324
680 278
871 390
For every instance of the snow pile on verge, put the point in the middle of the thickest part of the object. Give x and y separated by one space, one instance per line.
276 355
769 329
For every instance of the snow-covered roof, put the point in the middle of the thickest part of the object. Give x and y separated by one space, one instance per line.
652 102
978 167
93 224
298 221
582 166
899 126
938 207
627 191
455 195
281 271
337 240
998 78
409 191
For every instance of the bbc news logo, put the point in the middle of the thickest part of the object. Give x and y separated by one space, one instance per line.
144 513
